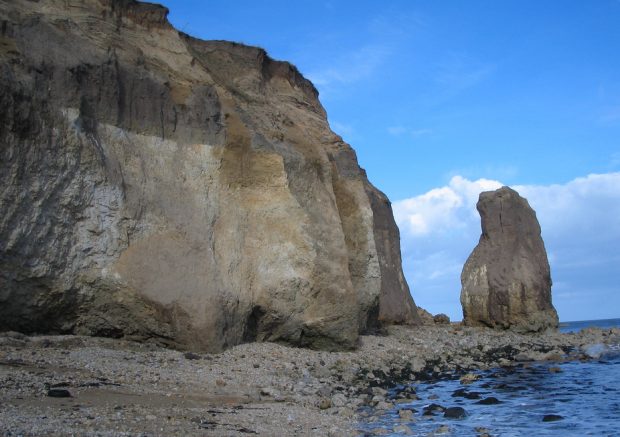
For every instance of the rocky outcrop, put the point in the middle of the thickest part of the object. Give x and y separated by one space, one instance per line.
153 185
506 282
425 317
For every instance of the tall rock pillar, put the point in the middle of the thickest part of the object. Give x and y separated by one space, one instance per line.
506 281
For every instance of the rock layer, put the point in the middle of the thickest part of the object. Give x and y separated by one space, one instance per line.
506 281
158 186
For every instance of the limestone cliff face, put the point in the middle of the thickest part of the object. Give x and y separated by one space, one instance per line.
506 280
157 186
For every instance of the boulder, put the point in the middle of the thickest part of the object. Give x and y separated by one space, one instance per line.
426 317
192 192
455 413
441 319
506 281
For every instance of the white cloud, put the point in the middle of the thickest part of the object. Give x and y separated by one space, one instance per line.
351 67
441 209
402 130
459 71
588 205
611 115
342 129
396 130
580 222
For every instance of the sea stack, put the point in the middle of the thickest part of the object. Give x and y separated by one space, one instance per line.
506 281
157 186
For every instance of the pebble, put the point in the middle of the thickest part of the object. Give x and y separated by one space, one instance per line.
405 414
339 400
403 429
482 431
325 403
383 405
443 429
58 393
468 378
191 356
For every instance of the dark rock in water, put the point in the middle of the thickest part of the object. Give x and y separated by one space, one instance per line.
506 281
489 401
441 319
58 393
552 417
430 409
463 393
460 393
455 413
482 431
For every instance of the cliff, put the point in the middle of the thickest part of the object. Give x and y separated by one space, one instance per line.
156 186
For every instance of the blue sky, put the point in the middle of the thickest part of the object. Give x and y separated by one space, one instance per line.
441 99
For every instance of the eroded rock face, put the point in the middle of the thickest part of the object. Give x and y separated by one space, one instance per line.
157 186
506 282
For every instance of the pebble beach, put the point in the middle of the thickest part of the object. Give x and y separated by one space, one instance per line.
72 385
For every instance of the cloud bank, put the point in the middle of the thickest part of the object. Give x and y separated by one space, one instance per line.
580 223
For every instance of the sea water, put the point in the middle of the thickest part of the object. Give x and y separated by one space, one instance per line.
584 397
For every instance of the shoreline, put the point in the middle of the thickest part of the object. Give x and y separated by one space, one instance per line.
120 387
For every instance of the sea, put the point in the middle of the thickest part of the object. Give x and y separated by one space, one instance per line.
543 399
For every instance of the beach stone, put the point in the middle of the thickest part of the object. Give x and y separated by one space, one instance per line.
270 392
469 378
58 393
346 412
405 414
441 430
403 429
455 413
506 281
191 356
325 403
482 431
408 400
527 356
594 351
384 405
339 400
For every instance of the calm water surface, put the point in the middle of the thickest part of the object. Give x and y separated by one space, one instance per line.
585 394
